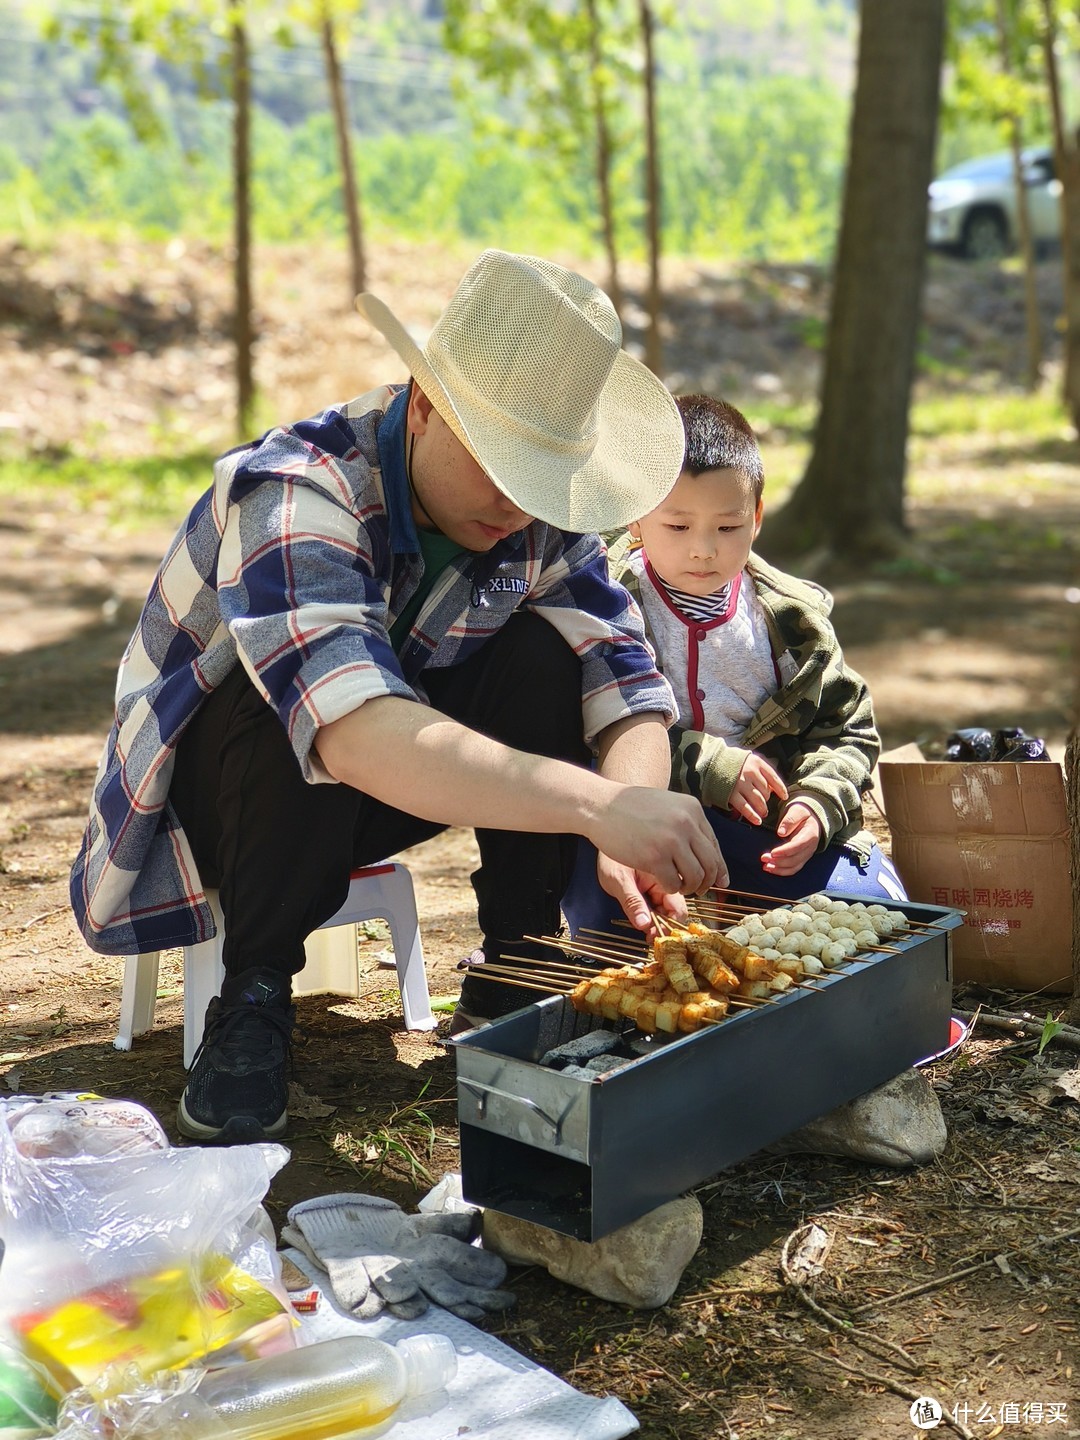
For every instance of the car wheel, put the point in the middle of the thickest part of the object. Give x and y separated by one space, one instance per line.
985 236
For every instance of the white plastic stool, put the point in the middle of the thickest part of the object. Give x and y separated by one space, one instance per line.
332 966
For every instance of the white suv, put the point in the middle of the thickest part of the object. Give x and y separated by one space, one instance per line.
973 205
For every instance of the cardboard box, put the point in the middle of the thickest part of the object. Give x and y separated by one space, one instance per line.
993 840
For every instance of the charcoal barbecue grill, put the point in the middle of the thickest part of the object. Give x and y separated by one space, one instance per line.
584 1156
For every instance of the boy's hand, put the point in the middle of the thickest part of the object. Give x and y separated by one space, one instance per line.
800 832
750 793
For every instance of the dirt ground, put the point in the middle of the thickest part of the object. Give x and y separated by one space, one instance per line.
124 351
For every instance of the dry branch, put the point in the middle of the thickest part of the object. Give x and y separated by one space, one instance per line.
862 1338
902 1390
1064 1035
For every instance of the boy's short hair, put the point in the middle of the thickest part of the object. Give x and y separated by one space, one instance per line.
719 437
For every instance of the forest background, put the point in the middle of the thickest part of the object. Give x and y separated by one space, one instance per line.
122 292
624 127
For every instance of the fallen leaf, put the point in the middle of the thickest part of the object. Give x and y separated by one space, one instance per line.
1068 1085
1055 1169
303 1106
810 1253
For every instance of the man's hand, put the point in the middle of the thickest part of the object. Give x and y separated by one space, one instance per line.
800 832
662 845
750 793
639 895
662 835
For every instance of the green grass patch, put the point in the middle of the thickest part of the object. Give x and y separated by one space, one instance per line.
784 429
131 492
400 1141
994 445
993 415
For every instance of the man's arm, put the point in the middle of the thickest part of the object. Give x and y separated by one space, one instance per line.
420 761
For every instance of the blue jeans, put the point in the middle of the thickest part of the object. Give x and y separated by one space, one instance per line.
742 845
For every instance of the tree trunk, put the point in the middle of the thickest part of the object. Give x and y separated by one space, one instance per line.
1067 166
349 186
852 493
1023 215
603 159
1072 807
654 349
245 384
1070 205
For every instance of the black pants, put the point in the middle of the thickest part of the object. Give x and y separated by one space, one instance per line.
280 850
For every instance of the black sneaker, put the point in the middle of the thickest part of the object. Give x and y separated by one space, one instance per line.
237 1092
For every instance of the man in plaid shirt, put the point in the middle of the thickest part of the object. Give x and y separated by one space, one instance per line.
390 618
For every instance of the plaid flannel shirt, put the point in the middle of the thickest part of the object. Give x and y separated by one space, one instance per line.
295 564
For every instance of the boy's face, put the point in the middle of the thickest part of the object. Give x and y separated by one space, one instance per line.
700 536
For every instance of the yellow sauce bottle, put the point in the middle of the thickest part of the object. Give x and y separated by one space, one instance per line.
352 1386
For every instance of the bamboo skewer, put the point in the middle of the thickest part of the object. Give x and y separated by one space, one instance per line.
868 949
750 894
559 978
576 948
549 989
736 911
665 924
777 902
864 950
538 979
579 972
630 946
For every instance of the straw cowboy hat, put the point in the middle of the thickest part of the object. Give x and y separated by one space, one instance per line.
525 367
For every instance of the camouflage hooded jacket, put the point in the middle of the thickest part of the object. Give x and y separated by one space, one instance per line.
817 729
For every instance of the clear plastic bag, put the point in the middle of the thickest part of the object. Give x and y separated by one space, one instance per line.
445 1198
26 1407
164 1408
125 1256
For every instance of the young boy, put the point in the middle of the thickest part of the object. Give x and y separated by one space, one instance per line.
775 734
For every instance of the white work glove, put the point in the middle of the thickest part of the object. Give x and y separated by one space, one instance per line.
376 1256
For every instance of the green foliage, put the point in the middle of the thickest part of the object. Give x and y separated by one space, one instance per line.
979 95
116 31
752 159
1050 1028
400 1141
562 69
753 166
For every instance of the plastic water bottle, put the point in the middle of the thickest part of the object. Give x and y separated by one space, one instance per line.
352 1386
